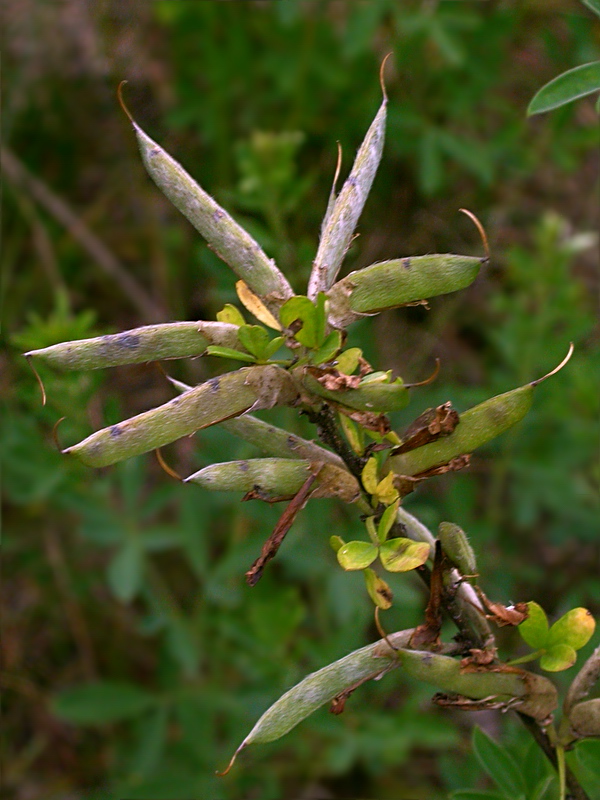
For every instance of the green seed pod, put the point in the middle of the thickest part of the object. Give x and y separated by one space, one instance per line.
229 240
476 426
341 219
538 696
585 718
149 343
398 282
456 546
273 441
376 397
321 687
277 477
225 396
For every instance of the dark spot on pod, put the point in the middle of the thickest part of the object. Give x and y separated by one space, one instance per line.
406 263
115 431
351 181
155 151
218 213
128 340
243 465
214 384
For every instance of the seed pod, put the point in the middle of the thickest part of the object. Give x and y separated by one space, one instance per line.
321 687
389 284
149 343
456 546
229 240
277 477
476 426
225 396
383 397
537 694
584 718
341 219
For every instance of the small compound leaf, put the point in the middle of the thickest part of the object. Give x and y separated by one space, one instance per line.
335 542
349 360
386 492
387 520
255 306
254 338
102 702
229 352
369 475
303 312
231 314
328 349
353 433
356 555
558 657
499 765
575 628
379 592
534 629
272 347
571 85
402 555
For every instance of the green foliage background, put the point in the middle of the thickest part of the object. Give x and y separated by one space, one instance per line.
128 583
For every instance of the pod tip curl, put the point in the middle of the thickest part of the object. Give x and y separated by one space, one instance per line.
481 230
556 369
122 102
430 379
381 78
39 380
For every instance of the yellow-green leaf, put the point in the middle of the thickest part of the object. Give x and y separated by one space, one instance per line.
558 658
402 555
356 555
575 629
534 629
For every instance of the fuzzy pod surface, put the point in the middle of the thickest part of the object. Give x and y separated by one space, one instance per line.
343 214
389 284
476 426
376 397
277 477
229 240
219 398
148 343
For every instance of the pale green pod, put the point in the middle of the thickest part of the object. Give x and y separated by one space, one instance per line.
537 696
277 477
321 687
584 681
148 343
225 396
477 426
341 219
376 397
277 442
456 546
229 240
273 441
389 284
584 718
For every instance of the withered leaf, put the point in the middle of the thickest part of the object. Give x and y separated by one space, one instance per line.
427 635
454 465
479 657
368 419
273 543
504 615
335 381
429 426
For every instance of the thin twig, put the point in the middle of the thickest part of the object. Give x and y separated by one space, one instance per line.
18 173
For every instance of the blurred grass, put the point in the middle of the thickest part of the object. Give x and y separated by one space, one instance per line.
125 577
